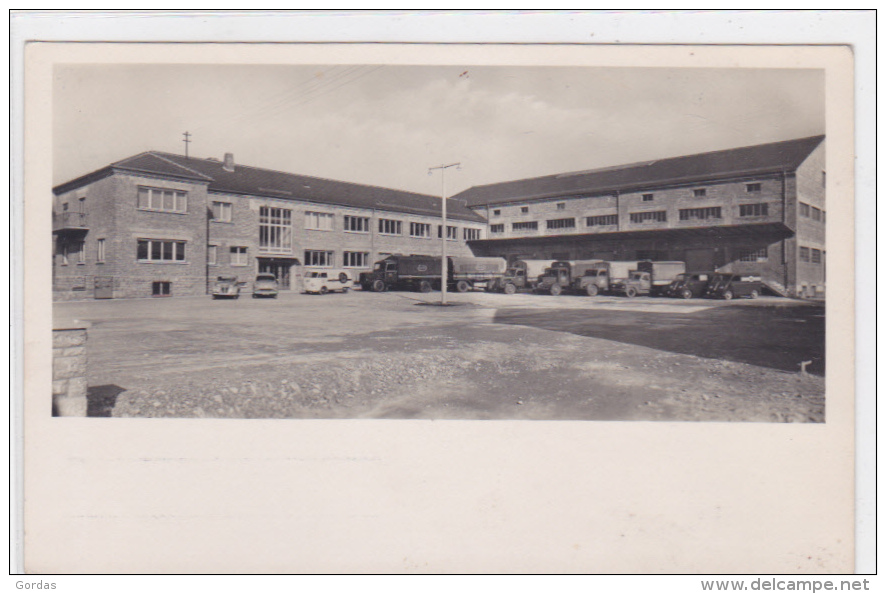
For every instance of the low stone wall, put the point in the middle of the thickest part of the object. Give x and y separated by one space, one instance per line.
69 370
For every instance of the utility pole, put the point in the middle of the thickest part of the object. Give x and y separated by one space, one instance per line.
444 232
187 141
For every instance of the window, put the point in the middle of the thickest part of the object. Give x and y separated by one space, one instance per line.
648 197
356 224
525 226
390 227
239 256
804 254
816 214
419 230
222 212
600 220
689 214
804 209
561 206
100 251
471 234
659 216
816 256
560 223
160 250
319 221
161 289
700 192
759 255
319 258
496 212
451 232
275 230
753 210
212 255
356 259
754 188
500 228
162 200
73 252
524 209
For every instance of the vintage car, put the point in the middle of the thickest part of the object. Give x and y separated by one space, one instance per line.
226 287
326 281
727 286
265 285
690 284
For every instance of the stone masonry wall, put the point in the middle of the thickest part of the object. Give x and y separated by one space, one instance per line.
69 372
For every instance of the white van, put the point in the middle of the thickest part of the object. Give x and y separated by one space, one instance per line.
327 280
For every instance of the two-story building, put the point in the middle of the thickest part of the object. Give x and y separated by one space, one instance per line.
754 210
159 224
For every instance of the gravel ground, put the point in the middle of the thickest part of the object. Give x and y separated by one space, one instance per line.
304 357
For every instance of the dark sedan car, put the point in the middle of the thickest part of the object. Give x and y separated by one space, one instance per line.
690 284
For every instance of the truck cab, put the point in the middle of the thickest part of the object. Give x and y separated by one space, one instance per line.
638 282
594 281
555 279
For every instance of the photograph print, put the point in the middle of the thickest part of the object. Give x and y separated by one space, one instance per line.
452 242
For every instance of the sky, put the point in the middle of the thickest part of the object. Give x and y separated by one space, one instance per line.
386 125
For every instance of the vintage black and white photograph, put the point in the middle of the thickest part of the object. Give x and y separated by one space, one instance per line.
439 242
438 308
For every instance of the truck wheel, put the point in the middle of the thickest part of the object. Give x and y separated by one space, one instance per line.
343 278
379 286
754 294
323 290
510 288
686 294
344 289
462 286
556 290
727 295
592 290
424 286
631 291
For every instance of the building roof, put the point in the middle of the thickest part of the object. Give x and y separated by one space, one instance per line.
255 181
751 160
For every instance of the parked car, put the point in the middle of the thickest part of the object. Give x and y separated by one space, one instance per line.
226 287
326 281
690 284
727 286
265 285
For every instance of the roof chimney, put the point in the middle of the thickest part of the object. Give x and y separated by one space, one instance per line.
229 162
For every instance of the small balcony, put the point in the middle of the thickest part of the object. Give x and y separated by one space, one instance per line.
69 222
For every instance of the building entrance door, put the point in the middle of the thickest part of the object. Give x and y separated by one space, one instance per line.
280 268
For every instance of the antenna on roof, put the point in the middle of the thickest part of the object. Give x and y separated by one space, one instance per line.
187 141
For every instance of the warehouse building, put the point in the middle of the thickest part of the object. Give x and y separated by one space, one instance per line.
159 224
757 210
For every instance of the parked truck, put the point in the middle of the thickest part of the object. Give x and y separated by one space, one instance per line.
598 278
416 273
423 273
520 275
466 273
649 278
562 275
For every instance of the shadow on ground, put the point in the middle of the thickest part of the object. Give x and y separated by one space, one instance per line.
100 400
777 337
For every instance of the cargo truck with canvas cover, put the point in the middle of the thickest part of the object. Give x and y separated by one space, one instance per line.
650 278
562 274
416 273
466 273
520 275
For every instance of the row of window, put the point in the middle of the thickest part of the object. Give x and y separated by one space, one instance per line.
754 188
812 255
811 212
660 216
